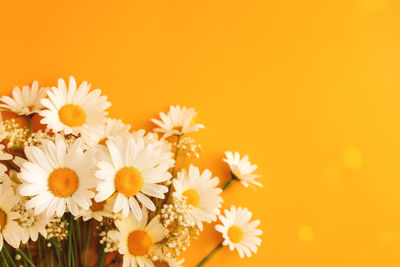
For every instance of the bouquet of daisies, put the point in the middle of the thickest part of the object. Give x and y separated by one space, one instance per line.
80 189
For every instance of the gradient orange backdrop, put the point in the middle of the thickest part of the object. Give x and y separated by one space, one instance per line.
309 89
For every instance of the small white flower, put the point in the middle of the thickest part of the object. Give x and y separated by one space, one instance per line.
9 228
137 239
133 170
177 121
242 169
201 192
74 110
238 232
25 101
57 178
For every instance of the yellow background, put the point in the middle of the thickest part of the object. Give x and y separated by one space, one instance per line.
309 89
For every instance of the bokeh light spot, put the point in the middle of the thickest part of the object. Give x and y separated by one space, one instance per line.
353 158
305 233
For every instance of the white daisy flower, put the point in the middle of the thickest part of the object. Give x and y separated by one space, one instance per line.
25 101
74 110
137 239
98 210
238 232
132 170
111 127
9 228
32 225
57 178
242 169
177 121
201 192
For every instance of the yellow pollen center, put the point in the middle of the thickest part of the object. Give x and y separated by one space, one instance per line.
192 198
139 243
128 181
103 141
97 206
235 234
3 219
72 115
63 182
160 264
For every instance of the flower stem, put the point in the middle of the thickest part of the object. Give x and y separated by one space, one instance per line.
210 254
4 258
102 255
86 251
10 259
26 258
233 177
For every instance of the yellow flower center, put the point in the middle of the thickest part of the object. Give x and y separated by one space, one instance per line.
192 198
103 141
3 219
139 243
235 234
97 206
72 115
160 264
63 182
128 181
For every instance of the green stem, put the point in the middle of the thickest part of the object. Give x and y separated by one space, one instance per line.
57 248
78 229
210 254
4 259
28 249
102 255
26 258
86 251
10 259
227 184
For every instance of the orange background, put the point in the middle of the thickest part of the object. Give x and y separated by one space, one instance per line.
309 89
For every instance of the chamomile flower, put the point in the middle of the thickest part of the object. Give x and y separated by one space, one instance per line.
177 121
9 228
57 178
137 239
25 101
201 192
98 210
74 110
131 170
238 232
111 127
242 169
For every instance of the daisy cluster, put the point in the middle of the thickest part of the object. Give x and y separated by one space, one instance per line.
73 180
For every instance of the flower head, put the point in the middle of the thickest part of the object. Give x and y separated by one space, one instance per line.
201 192
25 101
242 169
177 121
57 178
238 232
138 239
74 110
132 169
